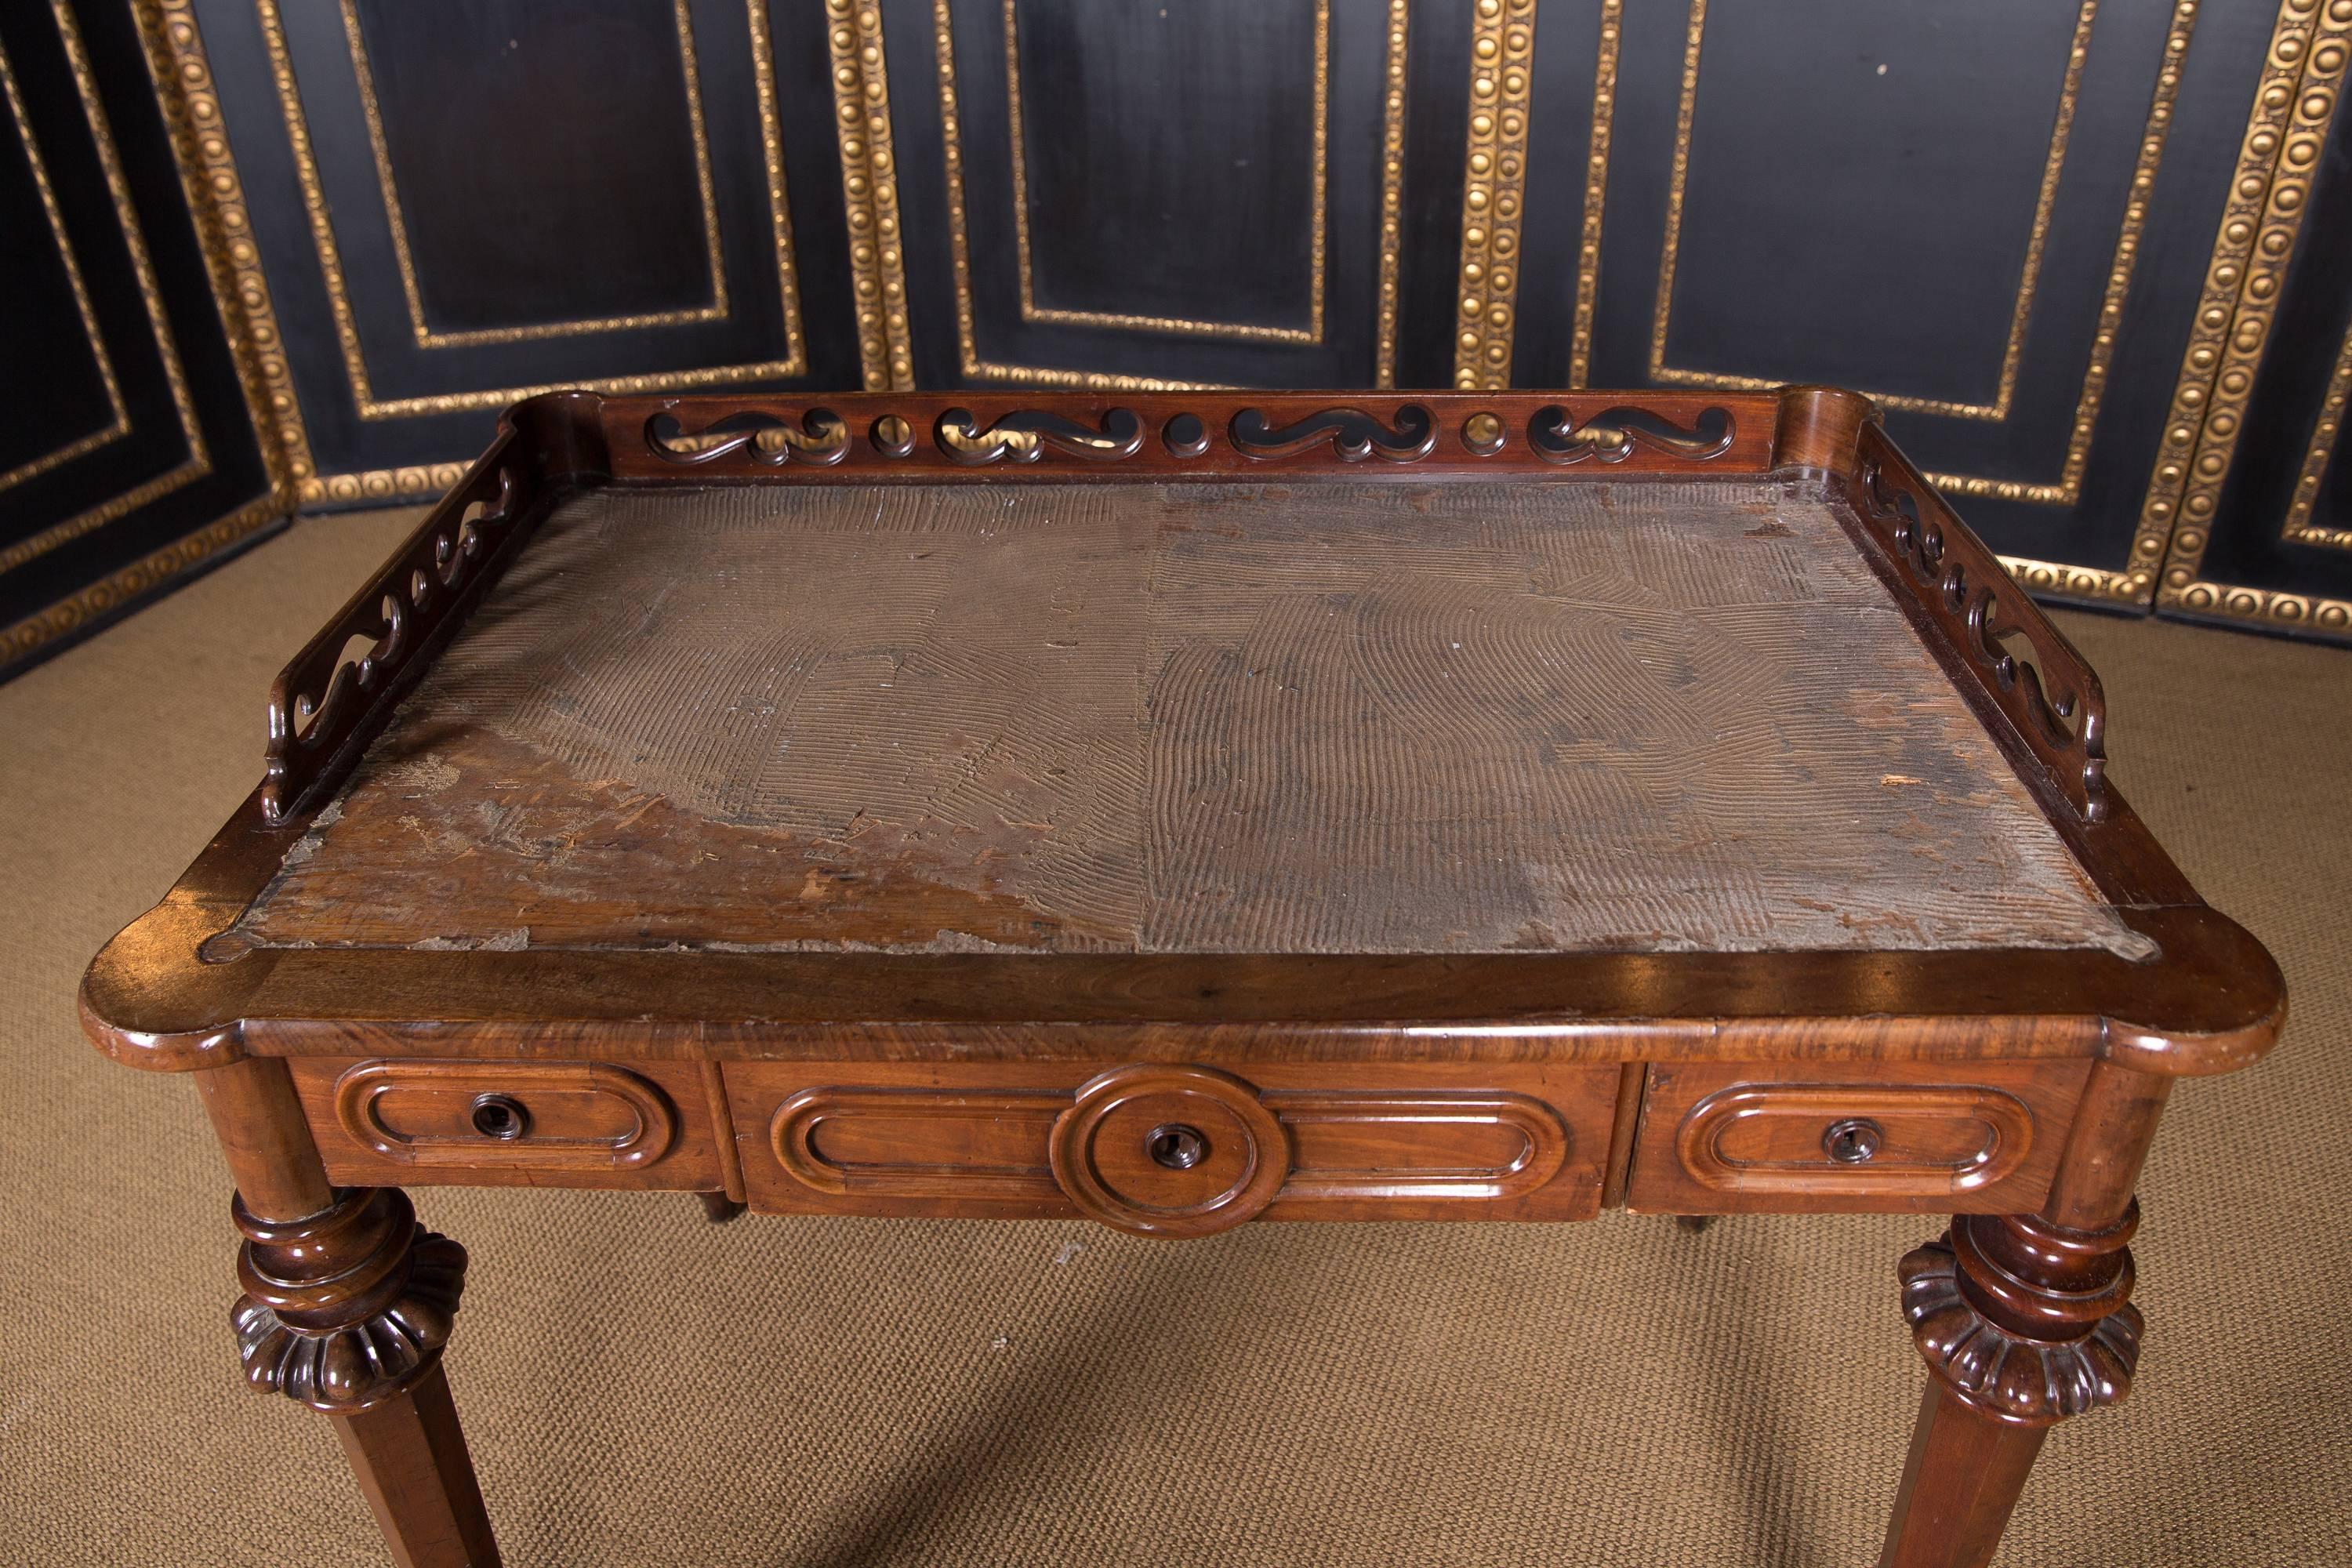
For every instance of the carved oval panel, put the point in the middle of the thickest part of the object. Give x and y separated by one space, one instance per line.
556 1116
1928 1141
919 1143
1396 1146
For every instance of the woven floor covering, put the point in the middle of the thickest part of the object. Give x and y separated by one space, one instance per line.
644 1387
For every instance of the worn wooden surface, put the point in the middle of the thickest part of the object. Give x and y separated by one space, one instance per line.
1318 718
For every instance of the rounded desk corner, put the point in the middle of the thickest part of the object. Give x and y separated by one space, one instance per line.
148 1001
2241 1005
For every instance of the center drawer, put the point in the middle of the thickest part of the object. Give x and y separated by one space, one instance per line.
1173 1150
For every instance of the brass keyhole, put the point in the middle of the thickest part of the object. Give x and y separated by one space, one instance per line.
501 1116
1853 1140
1176 1146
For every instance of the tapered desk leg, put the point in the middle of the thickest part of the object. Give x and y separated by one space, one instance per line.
411 1460
347 1304
2023 1320
1959 1484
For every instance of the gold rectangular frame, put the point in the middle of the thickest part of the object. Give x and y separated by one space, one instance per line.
346 321
951 126
1175 325
423 336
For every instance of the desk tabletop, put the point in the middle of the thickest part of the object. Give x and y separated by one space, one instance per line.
1174 725
1645 716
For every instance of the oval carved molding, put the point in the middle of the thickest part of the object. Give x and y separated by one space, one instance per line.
1793 1117
359 1107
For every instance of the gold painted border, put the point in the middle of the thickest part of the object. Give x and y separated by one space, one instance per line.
1319 223
369 406
198 462
424 336
119 426
870 184
1494 189
2295 105
2299 528
976 368
1596 189
2021 310
2067 489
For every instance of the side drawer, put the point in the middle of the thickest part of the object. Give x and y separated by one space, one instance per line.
1932 1137
392 1121
1290 1141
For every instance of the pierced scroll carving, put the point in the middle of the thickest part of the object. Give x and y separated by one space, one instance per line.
821 437
348 1307
2025 1321
1353 434
321 707
2023 664
1614 434
1024 436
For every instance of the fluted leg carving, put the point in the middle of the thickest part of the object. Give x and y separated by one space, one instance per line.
346 1307
2023 1322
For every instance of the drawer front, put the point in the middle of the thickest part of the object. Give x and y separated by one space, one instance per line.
1173 1150
1958 1138
392 1121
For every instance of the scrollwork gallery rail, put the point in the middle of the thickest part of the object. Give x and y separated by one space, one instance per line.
2049 695
327 705
1175 437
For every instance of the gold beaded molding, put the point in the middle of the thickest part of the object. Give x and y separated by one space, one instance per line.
2294 103
1502 48
183 84
27 637
869 189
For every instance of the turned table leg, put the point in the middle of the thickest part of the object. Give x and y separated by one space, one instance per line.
2023 1320
347 1304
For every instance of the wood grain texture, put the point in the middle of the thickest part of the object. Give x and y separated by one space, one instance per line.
594 1125
1323 718
1983 1137
1399 1141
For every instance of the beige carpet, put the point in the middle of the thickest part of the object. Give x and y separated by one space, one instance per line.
643 1387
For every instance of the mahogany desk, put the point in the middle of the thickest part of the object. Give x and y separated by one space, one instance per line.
1180 810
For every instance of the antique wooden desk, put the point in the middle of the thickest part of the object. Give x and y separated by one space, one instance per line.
1180 810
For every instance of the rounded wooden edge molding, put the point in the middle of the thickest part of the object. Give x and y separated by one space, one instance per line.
359 1089
2007 1124
1071 1150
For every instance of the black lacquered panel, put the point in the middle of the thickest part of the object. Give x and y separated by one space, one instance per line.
127 454
2000 238
458 205
1217 193
501 157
